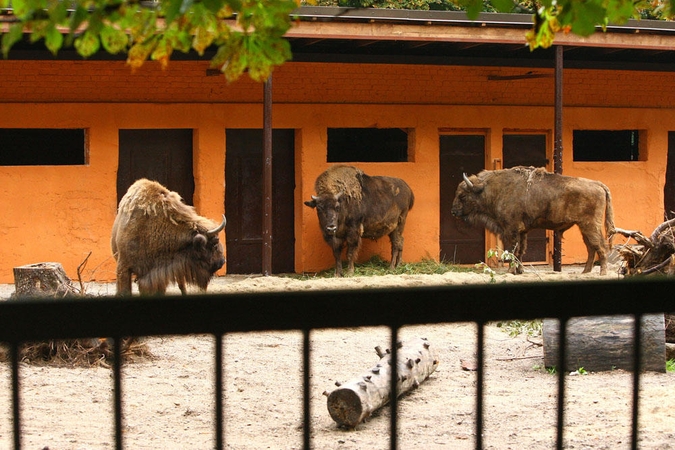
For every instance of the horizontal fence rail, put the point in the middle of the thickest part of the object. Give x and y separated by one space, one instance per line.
24 320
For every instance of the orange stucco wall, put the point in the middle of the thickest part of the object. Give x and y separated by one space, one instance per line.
63 213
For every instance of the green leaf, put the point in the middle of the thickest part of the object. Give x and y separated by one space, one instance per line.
53 39
473 8
58 12
22 9
10 38
171 9
113 39
619 11
87 44
586 17
503 5
77 17
213 5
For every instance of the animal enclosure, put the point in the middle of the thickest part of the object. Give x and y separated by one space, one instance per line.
327 309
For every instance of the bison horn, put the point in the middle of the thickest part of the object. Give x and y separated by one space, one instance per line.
468 182
315 198
219 228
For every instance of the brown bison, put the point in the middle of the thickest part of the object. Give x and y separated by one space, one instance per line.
161 240
511 202
351 205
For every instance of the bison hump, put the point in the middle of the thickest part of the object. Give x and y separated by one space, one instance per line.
340 179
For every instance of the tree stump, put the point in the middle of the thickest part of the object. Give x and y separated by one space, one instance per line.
47 279
605 343
356 400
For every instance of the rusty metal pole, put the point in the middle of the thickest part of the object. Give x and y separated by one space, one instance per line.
558 146
267 179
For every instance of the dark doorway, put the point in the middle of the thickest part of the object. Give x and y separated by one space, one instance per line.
528 150
669 188
462 153
244 200
164 156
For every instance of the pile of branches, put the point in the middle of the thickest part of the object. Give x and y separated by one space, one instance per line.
651 255
78 352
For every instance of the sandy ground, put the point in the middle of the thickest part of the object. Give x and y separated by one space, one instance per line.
168 400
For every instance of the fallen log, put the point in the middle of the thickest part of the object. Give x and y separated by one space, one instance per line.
354 401
605 343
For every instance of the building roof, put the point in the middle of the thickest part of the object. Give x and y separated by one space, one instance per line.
450 38
387 36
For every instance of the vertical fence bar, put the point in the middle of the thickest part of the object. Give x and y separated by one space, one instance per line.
16 397
117 390
480 372
306 391
562 356
218 388
637 367
393 394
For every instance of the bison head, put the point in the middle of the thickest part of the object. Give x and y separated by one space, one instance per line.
209 245
328 209
467 196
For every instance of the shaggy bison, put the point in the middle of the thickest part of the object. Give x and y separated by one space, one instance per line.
511 202
161 240
351 205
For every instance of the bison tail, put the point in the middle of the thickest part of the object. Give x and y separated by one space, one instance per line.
610 230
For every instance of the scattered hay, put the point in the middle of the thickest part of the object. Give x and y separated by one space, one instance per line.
94 352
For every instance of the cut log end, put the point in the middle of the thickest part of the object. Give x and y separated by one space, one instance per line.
345 407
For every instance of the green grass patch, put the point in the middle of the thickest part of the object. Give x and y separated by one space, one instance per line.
515 328
376 266
670 365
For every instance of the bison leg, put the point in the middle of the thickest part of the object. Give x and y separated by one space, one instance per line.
396 239
353 247
123 280
336 245
515 243
595 244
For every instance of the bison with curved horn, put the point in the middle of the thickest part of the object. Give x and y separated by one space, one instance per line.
351 205
511 202
161 240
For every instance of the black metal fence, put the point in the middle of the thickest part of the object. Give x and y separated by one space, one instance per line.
42 319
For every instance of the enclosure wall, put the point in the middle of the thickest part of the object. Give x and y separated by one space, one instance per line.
62 213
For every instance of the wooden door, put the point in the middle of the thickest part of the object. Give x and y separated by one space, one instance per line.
244 200
462 153
163 155
669 188
528 150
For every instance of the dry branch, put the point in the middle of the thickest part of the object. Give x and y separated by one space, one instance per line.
356 400
654 254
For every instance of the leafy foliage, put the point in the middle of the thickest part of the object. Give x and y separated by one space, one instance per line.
670 365
248 34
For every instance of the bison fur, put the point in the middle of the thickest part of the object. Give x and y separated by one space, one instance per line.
511 202
161 240
351 205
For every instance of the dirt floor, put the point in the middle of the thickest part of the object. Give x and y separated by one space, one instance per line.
168 400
